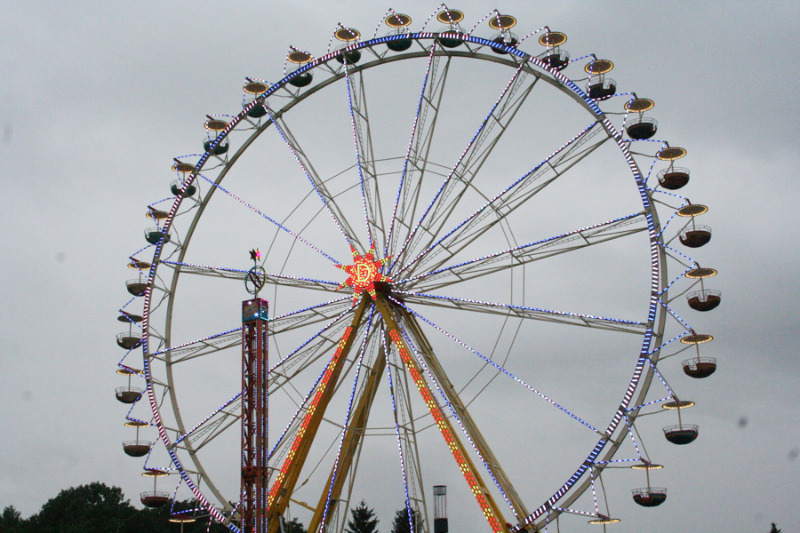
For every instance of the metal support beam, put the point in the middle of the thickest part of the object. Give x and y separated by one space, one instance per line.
353 438
471 474
281 492
492 462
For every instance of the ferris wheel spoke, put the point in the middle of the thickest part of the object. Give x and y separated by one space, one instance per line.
229 413
332 309
419 145
397 323
285 479
365 157
200 347
354 427
313 177
221 419
293 364
212 344
213 425
473 157
280 226
304 354
405 428
527 253
526 312
241 275
297 360
502 205
413 315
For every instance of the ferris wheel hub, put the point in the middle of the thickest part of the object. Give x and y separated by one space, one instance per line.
365 272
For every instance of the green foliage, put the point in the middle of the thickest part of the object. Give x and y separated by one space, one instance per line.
402 524
97 508
362 520
10 520
86 509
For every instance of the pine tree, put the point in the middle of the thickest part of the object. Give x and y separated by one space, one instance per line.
10 520
401 522
363 520
774 529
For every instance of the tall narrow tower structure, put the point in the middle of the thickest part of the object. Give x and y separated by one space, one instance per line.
440 509
253 509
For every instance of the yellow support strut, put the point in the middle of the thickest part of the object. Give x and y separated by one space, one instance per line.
465 464
281 492
350 445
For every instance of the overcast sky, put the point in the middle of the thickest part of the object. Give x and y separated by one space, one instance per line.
98 97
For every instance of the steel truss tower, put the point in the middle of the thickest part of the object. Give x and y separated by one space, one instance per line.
255 450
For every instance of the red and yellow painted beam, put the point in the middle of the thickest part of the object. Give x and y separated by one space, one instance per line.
471 475
281 491
352 440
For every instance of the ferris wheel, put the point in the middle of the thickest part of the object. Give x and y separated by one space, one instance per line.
476 264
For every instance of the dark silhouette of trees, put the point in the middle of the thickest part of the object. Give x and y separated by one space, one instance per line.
295 526
362 520
97 508
88 508
402 524
10 520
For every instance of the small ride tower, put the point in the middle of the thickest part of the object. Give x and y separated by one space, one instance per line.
255 366
440 509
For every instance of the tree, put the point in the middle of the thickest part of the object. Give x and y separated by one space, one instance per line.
402 524
363 520
774 529
10 520
86 509
97 508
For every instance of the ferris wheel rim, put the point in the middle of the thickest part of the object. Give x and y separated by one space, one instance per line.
589 103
